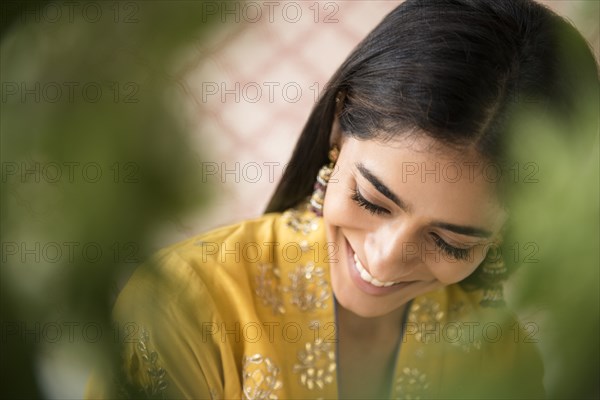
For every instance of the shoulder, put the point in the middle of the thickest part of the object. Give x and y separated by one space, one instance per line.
166 310
223 261
195 270
249 241
175 302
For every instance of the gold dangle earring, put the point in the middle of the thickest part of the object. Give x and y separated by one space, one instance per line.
318 195
493 273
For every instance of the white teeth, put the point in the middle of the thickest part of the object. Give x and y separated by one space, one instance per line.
367 277
376 282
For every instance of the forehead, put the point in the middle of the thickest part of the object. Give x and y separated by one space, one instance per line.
439 181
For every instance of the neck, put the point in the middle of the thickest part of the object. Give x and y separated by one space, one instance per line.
370 327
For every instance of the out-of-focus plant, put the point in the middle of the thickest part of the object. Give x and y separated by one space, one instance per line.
556 216
94 159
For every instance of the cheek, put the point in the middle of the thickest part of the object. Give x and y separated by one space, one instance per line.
456 275
338 209
452 271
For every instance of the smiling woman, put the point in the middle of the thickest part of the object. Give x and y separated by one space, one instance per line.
382 278
410 236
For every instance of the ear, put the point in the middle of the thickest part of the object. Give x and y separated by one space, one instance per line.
335 138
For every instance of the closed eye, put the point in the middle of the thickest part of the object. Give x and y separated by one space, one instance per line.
374 209
454 252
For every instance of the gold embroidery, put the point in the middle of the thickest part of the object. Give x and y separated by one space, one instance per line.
466 344
304 246
317 364
308 288
458 333
411 384
268 289
461 335
213 394
157 381
260 378
426 315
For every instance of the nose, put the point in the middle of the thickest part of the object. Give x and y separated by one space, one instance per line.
391 252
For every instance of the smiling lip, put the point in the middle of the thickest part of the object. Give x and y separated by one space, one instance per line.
364 285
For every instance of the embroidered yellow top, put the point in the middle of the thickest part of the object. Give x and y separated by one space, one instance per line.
246 311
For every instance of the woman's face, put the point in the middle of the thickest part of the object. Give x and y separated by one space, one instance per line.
408 215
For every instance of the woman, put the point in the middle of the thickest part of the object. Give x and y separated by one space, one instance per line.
382 279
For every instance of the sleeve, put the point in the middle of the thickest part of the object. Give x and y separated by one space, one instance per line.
514 364
528 374
160 314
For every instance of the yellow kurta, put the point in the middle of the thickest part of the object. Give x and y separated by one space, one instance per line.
247 311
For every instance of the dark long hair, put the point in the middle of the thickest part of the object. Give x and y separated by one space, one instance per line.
455 70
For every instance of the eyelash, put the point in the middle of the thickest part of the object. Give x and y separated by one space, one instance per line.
455 252
367 205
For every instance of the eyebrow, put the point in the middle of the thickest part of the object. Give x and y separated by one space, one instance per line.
384 190
463 230
381 187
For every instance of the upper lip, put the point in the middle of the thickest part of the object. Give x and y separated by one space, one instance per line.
354 254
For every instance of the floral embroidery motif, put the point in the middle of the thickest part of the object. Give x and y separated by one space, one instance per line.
317 364
461 335
308 287
411 384
260 378
426 315
268 289
301 220
157 382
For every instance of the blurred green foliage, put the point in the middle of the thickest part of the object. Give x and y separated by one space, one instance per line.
559 214
93 157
